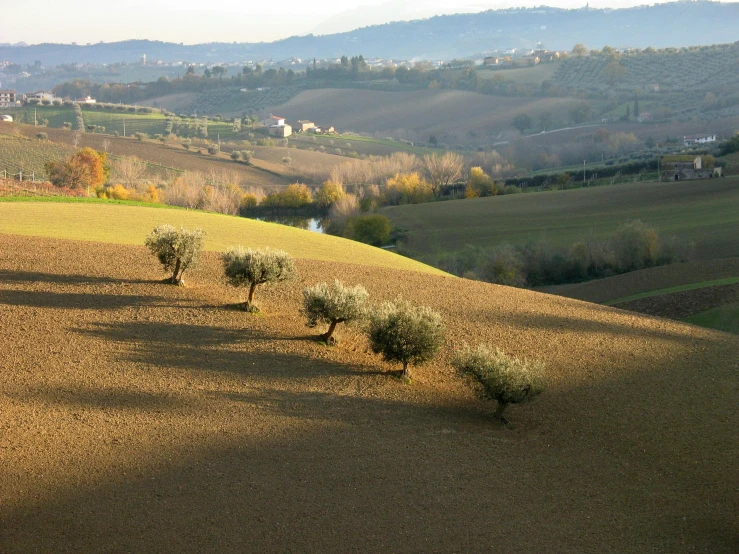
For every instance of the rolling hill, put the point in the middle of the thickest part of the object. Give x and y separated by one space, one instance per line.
416 114
141 416
706 212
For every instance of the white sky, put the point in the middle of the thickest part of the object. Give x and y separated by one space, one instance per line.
196 21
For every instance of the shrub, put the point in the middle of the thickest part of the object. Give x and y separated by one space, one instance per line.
176 249
371 229
246 267
294 196
635 246
42 136
504 378
329 193
333 305
505 267
405 333
213 149
236 155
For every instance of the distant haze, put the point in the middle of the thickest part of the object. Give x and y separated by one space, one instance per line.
192 21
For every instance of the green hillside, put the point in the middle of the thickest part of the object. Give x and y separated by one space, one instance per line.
706 212
125 224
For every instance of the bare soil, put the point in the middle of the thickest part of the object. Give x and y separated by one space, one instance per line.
678 305
141 417
645 280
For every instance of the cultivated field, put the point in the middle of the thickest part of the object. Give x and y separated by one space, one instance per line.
446 113
165 158
646 280
144 417
706 212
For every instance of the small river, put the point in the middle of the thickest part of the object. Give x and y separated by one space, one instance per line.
308 223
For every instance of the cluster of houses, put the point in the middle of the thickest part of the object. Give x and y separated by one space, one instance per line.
9 98
277 127
531 58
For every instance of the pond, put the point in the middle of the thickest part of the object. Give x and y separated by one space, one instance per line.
314 224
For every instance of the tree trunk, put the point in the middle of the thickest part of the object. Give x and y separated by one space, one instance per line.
405 369
327 335
499 411
252 288
175 279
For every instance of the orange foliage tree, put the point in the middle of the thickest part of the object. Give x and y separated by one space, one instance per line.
86 168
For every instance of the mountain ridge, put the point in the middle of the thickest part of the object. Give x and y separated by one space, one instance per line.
439 37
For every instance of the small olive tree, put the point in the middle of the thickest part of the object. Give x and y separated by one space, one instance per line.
246 267
332 305
504 378
405 333
176 249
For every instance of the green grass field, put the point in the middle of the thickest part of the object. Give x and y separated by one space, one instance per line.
669 290
722 318
128 224
706 212
151 124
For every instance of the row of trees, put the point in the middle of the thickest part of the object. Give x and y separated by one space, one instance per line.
398 330
633 246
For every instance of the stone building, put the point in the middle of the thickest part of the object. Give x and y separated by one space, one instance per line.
681 168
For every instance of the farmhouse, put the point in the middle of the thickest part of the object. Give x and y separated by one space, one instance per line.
40 95
492 60
690 140
526 61
86 100
7 98
281 131
273 120
304 125
683 168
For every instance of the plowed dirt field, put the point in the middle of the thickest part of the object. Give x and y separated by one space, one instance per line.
141 417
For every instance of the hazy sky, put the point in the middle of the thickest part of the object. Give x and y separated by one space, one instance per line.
196 21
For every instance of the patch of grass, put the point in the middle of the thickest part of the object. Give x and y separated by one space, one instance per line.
123 223
669 290
706 212
722 318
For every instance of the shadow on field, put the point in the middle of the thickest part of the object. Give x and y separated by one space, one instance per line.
66 279
572 324
212 348
111 398
79 301
394 476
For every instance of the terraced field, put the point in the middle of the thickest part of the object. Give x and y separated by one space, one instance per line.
144 417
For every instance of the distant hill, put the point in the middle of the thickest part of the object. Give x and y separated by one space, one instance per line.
442 37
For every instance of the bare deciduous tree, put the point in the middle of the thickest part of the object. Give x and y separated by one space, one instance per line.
129 171
443 170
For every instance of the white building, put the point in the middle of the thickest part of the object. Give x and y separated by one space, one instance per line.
40 95
698 139
273 121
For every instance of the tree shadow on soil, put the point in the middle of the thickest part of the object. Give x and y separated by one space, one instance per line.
79 301
212 348
110 398
398 476
66 279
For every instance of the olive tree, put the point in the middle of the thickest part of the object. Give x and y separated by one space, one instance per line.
504 378
332 305
176 249
405 333
246 267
